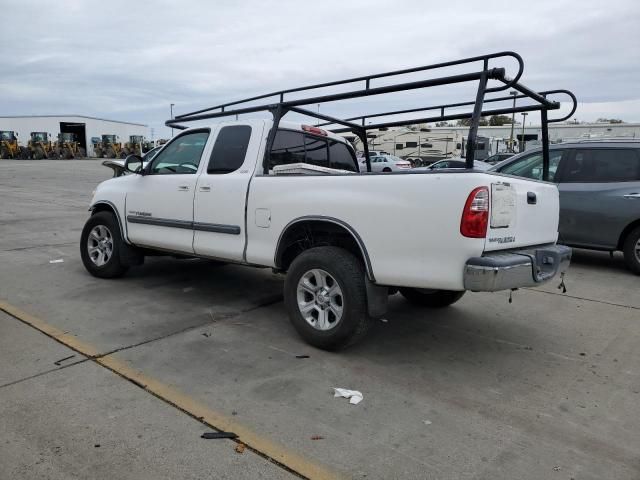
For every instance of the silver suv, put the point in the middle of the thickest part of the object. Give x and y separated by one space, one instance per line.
599 184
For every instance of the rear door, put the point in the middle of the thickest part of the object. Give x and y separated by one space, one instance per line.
159 205
221 192
596 195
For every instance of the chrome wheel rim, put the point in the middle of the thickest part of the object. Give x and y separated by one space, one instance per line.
100 245
320 299
637 250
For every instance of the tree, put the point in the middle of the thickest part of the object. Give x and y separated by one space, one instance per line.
466 122
609 120
499 120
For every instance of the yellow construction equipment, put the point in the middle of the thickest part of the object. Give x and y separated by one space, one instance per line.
134 146
9 147
111 148
67 146
40 146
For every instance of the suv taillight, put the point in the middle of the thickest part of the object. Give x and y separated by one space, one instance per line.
475 215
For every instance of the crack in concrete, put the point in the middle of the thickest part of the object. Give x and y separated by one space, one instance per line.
604 302
46 372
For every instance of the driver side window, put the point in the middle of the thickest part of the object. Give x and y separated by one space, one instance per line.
181 156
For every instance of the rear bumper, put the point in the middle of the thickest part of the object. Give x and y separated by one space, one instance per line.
521 268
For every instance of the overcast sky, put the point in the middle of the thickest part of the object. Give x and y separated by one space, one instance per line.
128 60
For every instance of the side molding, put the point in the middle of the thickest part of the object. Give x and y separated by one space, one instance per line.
336 221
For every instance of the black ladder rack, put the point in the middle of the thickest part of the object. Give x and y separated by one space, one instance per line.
358 125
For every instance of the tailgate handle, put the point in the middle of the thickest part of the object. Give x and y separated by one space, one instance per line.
531 198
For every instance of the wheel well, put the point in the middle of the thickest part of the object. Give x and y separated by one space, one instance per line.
627 230
306 234
108 207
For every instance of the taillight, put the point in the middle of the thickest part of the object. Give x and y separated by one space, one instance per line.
475 215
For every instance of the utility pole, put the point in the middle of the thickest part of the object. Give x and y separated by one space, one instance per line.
171 110
524 120
513 118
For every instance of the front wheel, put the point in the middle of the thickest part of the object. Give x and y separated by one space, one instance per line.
100 245
632 251
326 299
431 298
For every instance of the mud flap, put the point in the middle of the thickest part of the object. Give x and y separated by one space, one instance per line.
377 299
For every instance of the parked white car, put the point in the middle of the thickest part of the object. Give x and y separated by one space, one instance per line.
206 195
386 163
293 197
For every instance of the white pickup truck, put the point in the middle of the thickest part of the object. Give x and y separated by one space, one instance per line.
345 240
289 196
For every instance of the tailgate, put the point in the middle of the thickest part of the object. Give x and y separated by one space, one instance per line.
522 213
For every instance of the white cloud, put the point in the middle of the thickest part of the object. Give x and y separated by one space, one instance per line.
129 60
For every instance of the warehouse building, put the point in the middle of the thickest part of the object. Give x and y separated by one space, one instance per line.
85 128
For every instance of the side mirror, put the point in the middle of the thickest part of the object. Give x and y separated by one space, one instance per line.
133 164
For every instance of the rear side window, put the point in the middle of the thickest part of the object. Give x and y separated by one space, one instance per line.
602 165
230 149
294 147
316 151
341 157
288 147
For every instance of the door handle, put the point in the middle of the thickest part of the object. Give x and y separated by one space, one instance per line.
183 188
205 188
632 195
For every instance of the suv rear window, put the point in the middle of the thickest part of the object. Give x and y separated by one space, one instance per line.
602 165
294 147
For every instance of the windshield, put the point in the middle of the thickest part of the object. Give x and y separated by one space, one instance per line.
135 138
39 136
108 139
67 137
7 135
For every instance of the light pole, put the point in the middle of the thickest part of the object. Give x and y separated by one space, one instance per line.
513 117
524 120
171 110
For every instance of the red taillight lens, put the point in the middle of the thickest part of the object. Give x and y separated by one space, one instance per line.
475 215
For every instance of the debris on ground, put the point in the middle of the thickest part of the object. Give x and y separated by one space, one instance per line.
303 356
384 320
354 396
206 334
556 468
240 448
317 437
215 435
427 422
59 260
58 362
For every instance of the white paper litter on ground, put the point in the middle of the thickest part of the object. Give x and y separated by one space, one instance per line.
354 396
59 260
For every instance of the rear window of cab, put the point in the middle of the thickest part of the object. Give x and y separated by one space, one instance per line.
296 147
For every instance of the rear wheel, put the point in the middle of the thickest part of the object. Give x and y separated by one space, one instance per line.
632 251
325 297
81 153
39 154
431 298
111 153
4 152
386 169
100 245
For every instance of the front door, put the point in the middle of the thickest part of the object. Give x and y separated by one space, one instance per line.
159 205
221 193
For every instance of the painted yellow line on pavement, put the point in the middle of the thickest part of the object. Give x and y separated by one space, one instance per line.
182 401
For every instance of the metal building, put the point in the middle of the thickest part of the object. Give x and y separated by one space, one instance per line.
84 127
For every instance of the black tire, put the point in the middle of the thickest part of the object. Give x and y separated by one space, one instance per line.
348 272
431 298
113 267
386 169
81 153
4 153
631 250
98 152
39 154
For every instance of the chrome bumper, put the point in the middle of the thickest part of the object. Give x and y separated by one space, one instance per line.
521 268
